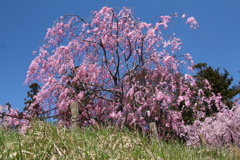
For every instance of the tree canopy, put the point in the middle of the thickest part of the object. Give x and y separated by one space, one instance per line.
110 51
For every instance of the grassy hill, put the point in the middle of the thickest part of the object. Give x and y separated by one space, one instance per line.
45 141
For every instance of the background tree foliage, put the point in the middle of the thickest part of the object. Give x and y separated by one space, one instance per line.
37 111
220 82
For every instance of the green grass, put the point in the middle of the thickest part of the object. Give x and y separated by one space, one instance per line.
45 141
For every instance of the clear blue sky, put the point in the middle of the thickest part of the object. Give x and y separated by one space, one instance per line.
24 24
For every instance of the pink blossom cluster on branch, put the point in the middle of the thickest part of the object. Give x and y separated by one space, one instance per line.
219 130
11 118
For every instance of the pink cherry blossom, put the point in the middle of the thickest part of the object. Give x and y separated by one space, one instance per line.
193 23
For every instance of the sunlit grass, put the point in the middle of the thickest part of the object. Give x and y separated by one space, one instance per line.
45 141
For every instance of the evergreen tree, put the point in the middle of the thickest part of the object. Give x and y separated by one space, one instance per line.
8 105
5 108
34 89
220 82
